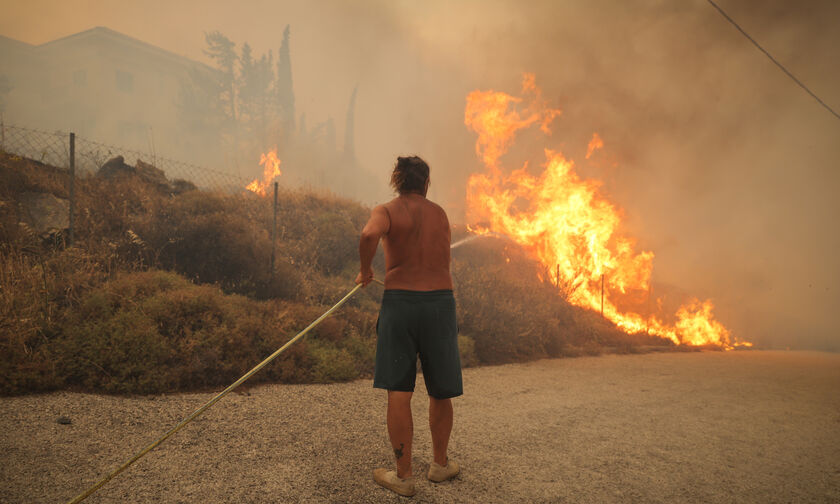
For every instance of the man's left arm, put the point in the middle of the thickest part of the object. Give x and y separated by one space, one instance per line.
377 226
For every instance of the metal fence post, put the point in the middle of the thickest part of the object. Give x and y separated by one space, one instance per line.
72 185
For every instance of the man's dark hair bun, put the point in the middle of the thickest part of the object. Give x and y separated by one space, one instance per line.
410 175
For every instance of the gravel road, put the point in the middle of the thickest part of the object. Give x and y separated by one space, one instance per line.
756 426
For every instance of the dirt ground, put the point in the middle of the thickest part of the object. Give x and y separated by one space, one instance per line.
689 427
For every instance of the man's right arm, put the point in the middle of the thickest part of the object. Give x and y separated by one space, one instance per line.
377 226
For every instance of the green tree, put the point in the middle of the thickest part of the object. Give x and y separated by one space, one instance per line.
284 90
222 51
255 86
199 108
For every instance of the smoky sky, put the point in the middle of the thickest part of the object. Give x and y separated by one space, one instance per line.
723 167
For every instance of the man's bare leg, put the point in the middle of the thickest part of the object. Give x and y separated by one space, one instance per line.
440 423
401 430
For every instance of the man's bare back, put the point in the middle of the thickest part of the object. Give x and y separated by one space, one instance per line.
416 245
415 234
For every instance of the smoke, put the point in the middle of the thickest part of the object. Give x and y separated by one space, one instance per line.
725 169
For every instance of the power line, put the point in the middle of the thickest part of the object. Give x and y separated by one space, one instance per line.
785 70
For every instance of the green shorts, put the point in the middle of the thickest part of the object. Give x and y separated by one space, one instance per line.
413 323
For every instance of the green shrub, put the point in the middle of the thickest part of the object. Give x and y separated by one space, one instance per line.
334 242
210 238
343 348
35 293
331 363
466 347
363 351
155 331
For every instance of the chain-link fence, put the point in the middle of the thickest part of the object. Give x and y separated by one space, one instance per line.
48 148
54 149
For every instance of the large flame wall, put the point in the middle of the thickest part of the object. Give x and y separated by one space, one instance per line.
566 223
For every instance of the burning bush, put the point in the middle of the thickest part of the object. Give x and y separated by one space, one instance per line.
568 224
498 305
513 312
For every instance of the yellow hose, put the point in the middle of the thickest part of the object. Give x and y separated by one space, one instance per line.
213 401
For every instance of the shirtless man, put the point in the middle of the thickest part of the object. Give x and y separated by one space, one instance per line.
417 317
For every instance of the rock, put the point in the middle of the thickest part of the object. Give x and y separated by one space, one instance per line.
115 167
63 420
45 213
180 186
151 173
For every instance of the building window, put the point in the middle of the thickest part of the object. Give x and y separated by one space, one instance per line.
80 77
124 81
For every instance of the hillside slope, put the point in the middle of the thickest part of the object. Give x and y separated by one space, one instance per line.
167 288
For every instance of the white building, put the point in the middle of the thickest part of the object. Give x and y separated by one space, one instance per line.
105 86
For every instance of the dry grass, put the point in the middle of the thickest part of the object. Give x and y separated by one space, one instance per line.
167 290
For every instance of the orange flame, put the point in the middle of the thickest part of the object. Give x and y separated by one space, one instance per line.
565 221
594 144
271 169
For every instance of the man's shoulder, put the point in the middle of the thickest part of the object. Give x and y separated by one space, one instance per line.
400 206
436 206
381 208
441 212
